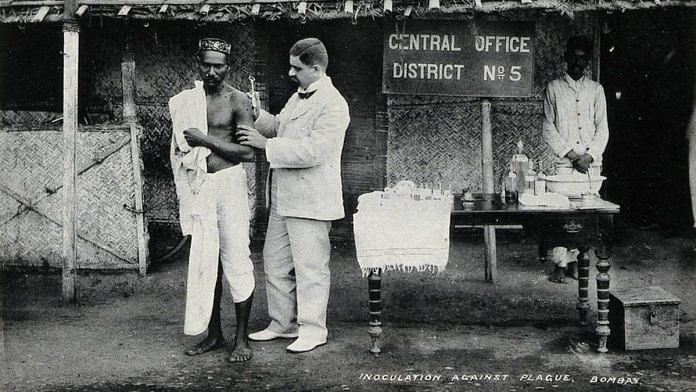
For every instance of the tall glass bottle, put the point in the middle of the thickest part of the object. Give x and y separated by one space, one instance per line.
511 185
540 180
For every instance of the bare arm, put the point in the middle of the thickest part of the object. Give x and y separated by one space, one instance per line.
230 151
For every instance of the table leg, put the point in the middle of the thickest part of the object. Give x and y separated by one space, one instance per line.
490 257
583 284
374 287
603 280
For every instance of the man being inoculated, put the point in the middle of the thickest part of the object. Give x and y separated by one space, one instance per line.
214 207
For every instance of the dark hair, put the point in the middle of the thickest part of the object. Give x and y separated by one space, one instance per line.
580 42
310 51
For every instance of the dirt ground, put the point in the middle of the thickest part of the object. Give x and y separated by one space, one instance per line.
442 332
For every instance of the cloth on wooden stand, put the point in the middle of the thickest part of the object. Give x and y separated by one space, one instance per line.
399 233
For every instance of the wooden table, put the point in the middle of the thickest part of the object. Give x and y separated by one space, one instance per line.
584 225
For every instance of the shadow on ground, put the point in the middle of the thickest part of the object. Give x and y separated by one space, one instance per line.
442 332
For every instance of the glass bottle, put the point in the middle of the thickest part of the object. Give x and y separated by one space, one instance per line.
521 166
529 179
511 185
540 180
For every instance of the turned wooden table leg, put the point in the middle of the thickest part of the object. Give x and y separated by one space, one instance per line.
603 280
583 284
374 286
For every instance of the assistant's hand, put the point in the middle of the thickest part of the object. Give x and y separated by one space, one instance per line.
582 163
194 137
249 136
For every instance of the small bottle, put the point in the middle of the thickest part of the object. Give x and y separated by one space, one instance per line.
428 192
511 185
502 191
529 179
521 166
540 180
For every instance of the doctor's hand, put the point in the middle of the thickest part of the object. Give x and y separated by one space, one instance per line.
582 163
248 136
194 137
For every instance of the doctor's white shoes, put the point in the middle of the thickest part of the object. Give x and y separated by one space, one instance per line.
303 345
267 334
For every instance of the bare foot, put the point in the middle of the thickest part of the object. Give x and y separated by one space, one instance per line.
241 352
557 275
572 270
208 344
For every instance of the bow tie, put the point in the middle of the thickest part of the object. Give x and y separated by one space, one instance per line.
305 95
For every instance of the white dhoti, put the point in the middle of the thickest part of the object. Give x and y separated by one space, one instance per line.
220 231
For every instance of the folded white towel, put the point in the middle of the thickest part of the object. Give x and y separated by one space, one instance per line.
548 199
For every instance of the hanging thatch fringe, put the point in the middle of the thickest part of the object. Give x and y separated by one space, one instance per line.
26 11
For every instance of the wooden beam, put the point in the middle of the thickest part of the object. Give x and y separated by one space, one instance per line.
128 83
387 5
138 194
124 10
486 6
82 10
71 45
69 9
490 257
691 128
41 14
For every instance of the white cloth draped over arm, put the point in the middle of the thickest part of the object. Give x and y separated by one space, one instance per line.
188 110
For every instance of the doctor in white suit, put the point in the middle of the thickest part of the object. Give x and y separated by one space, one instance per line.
303 145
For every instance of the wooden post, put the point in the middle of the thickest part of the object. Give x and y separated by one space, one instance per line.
691 134
130 117
596 46
128 83
71 45
490 258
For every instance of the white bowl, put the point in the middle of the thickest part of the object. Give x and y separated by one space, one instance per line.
574 185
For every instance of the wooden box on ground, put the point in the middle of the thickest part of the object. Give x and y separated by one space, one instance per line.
644 318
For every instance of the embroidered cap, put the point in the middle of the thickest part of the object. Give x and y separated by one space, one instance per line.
215 44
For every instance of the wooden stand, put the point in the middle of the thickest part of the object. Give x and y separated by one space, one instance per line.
374 286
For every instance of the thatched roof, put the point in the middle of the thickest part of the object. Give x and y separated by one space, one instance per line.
36 11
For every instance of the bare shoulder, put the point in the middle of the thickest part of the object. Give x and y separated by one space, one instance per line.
240 104
236 97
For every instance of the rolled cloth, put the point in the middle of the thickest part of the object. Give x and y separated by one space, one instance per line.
188 110
399 233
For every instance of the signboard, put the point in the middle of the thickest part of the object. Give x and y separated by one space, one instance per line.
486 59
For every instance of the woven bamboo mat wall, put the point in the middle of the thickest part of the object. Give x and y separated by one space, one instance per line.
438 139
31 198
